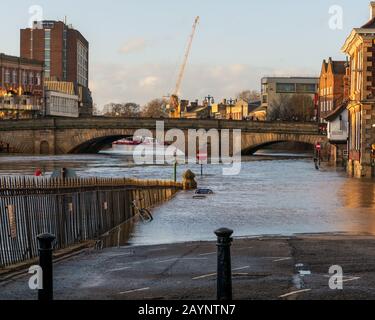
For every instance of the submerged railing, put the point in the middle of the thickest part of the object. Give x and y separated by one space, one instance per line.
73 209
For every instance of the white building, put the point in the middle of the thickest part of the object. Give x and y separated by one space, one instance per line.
60 104
337 128
338 133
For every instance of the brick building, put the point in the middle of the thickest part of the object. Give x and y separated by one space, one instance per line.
332 91
360 49
21 87
65 53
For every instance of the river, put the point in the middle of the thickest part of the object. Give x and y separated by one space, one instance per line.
273 194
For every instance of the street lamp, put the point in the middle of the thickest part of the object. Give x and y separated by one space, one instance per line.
230 101
210 100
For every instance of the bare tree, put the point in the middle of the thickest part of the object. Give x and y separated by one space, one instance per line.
291 108
128 110
249 95
155 109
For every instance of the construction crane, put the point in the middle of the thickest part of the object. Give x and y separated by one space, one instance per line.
174 105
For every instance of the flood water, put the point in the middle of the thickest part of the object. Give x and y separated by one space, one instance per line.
273 194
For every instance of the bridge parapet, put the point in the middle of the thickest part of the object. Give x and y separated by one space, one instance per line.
148 123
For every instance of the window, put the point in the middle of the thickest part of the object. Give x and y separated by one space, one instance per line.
47 53
7 76
285 87
358 138
341 126
306 87
14 77
31 77
38 80
82 64
24 77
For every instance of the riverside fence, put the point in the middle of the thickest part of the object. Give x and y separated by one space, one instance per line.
74 209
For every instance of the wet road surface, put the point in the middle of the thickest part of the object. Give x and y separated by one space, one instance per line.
273 268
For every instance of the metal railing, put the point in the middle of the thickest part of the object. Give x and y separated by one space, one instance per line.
74 210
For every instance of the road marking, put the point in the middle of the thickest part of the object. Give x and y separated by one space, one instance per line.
121 254
345 280
174 259
281 259
208 254
351 279
204 276
119 269
169 260
136 290
293 293
241 268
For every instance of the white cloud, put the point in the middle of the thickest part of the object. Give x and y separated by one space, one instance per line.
149 81
140 83
133 45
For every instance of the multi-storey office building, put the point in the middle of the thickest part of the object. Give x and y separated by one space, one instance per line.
65 53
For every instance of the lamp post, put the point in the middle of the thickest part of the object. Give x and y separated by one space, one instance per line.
175 166
230 101
210 100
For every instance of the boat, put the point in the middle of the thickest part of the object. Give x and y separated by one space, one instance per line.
127 142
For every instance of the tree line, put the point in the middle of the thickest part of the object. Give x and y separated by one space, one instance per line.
156 108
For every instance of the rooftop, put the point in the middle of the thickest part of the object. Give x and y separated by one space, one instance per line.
5 57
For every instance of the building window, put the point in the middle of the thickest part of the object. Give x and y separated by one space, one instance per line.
38 79
47 53
306 88
285 87
82 64
7 76
14 77
24 77
31 78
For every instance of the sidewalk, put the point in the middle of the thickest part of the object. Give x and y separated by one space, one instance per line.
263 268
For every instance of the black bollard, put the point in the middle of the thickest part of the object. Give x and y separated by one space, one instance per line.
45 262
224 268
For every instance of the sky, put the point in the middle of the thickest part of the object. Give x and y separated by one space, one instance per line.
137 46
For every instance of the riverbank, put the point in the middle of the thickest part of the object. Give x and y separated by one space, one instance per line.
264 267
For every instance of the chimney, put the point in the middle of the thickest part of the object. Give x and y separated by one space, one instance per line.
372 10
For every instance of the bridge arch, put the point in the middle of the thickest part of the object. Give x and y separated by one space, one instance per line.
97 144
251 143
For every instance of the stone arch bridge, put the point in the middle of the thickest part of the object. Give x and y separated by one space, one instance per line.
90 135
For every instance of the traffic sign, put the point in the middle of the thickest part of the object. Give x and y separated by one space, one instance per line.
318 146
202 156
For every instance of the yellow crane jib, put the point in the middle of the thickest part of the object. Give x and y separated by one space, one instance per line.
174 105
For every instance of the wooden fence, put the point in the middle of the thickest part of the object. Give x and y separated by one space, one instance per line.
74 210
